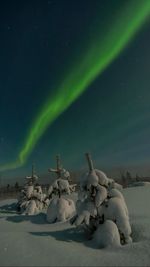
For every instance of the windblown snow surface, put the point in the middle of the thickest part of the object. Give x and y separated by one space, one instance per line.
31 241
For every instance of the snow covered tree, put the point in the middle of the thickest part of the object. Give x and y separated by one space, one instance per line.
31 199
61 207
101 209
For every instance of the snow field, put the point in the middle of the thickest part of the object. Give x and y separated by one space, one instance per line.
31 241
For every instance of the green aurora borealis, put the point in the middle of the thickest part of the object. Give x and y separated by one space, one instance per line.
98 54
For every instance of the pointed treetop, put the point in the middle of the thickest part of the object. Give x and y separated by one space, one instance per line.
33 177
89 161
58 167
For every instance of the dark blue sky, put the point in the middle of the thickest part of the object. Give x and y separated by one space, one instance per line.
111 119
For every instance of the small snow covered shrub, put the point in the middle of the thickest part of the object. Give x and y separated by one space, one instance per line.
60 208
31 199
101 209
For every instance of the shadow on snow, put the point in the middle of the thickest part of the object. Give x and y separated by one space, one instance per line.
35 219
67 235
8 208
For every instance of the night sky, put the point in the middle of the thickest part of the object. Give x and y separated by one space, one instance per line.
74 77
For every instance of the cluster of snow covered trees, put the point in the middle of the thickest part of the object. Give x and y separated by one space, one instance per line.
100 209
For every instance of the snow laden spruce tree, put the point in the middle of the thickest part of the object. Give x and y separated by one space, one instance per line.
31 199
61 206
101 209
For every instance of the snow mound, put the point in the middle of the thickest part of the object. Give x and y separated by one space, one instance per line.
31 208
107 235
116 193
60 209
92 179
29 191
115 210
102 178
85 210
60 184
101 195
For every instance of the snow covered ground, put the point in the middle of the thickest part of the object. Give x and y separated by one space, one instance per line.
31 241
